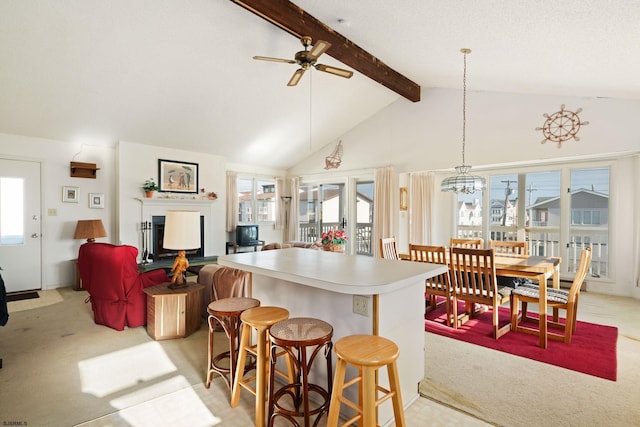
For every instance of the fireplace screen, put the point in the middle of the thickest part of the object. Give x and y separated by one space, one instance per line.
160 253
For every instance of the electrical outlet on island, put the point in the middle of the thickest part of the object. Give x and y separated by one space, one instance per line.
361 305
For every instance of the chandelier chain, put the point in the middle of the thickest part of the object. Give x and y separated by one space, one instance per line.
464 107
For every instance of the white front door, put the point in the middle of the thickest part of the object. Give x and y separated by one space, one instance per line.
20 244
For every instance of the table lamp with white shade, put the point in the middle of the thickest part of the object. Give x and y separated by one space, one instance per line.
181 232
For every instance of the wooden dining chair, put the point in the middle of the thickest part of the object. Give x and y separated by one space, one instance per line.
556 298
388 248
466 243
501 247
439 285
473 276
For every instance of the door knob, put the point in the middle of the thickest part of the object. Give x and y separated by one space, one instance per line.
35 235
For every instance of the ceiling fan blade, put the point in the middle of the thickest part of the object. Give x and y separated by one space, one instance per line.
333 70
318 49
296 77
267 58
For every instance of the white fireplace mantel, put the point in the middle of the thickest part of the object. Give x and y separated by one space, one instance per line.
174 202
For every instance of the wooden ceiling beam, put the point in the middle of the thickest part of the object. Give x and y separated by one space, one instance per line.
297 22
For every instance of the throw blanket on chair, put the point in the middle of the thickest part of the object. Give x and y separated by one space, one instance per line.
222 282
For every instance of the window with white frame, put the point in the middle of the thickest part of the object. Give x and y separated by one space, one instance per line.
554 225
256 200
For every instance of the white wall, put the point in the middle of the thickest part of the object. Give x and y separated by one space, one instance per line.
138 162
500 129
58 245
427 136
123 168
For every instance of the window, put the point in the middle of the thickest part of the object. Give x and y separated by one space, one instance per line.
504 207
11 211
543 212
589 191
256 199
555 223
364 217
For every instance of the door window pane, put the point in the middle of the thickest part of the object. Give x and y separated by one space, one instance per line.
504 207
590 219
543 212
11 211
308 212
364 217
469 215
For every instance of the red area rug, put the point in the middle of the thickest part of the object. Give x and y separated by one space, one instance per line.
592 350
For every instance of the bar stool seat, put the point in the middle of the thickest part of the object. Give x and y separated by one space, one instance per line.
227 313
260 319
295 336
367 353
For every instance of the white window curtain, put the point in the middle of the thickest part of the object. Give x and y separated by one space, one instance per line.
281 205
232 200
291 229
637 230
420 207
385 208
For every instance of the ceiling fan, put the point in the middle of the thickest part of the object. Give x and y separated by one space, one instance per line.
307 58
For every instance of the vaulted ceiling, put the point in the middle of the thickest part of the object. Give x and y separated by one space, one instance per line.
180 73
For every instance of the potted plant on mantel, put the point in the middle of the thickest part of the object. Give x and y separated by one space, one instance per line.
149 187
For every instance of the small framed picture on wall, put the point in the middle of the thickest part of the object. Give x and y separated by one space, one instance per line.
96 200
404 199
70 194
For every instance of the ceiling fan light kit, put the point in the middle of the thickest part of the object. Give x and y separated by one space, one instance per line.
463 182
307 58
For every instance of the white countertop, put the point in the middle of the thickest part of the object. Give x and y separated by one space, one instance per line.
336 272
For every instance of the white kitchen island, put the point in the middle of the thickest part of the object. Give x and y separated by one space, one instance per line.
325 285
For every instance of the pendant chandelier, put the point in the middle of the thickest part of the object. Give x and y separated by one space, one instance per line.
463 182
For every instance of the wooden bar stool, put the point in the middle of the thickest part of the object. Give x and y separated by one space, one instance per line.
368 353
295 336
227 313
260 319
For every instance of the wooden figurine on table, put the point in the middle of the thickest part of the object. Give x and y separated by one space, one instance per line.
179 268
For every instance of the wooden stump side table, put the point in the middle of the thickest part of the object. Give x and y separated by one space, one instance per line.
173 313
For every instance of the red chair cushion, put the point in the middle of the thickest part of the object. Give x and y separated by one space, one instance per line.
110 274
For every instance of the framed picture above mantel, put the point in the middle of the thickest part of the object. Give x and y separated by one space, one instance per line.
177 177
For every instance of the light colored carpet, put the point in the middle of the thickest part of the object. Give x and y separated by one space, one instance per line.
45 298
513 391
61 369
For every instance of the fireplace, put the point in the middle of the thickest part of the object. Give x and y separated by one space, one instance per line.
157 234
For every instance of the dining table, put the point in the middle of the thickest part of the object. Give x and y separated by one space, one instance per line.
535 268
538 269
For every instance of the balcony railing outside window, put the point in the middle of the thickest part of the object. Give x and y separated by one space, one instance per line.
362 240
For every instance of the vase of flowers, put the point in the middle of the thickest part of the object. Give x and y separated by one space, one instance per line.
334 240
149 187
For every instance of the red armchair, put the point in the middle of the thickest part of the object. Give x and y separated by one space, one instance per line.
110 274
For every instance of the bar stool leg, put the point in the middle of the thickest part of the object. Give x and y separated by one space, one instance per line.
260 376
368 387
210 372
245 337
394 385
336 393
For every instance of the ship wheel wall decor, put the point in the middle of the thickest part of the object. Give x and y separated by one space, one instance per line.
561 126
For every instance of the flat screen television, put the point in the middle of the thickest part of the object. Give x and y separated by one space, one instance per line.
247 235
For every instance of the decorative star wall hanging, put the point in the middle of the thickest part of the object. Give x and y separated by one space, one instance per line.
561 126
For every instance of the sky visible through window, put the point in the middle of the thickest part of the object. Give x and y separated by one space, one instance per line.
545 184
